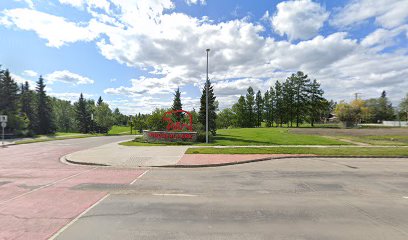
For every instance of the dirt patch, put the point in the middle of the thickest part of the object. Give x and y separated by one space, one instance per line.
351 132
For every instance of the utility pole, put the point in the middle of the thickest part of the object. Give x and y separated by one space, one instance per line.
206 102
356 95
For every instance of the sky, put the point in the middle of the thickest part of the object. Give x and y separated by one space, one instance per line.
136 53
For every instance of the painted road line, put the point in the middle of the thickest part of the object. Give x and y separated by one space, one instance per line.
141 175
47 185
79 216
406 197
174 195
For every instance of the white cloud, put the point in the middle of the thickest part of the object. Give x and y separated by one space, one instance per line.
30 73
66 76
193 2
387 13
56 30
299 19
21 80
382 38
144 86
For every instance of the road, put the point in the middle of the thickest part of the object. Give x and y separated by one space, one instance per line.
37 191
279 199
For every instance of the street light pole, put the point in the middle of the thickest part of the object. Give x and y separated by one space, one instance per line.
206 102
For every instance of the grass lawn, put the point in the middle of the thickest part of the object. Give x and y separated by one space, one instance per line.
268 136
255 136
120 130
329 151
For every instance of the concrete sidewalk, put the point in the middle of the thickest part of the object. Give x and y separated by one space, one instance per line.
117 155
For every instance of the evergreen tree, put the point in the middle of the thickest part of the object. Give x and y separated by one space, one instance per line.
177 104
240 111
279 104
82 114
316 101
404 107
212 107
100 101
250 104
45 124
259 108
9 94
27 104
267 108
288 95
385 110
301 81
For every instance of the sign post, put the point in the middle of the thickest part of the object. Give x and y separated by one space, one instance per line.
3 121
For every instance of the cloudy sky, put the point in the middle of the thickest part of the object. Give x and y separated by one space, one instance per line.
135 53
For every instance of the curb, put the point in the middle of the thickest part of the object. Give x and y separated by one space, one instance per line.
65 160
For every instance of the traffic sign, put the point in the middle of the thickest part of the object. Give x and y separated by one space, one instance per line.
3 124
3 118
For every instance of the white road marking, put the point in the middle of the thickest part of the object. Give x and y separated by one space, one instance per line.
80 215
141 175
174 194
406 197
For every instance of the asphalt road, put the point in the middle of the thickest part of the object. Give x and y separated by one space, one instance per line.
279 199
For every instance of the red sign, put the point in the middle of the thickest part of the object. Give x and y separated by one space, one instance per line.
172 124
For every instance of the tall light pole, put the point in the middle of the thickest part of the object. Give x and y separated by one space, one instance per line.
206 102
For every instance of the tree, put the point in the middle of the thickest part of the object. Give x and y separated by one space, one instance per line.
316 102
8 93
225 118
27 100
351 114
45 124
212 107
100 101
259 108
250 104
240 111
386 112
155 120
279 103
301 82
103 118
288 96
404 107
64 115
177 104
82 114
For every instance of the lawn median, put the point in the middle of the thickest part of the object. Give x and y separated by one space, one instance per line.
319 151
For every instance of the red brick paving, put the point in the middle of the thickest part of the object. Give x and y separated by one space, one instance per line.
37 192
215 159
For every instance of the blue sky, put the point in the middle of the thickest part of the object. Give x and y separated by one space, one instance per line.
136 53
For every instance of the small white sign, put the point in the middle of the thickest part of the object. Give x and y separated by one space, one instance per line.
3 118
3 124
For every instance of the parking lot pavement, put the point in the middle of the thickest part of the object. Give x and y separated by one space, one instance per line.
279 199
39 195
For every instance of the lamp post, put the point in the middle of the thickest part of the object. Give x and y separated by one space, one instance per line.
206 102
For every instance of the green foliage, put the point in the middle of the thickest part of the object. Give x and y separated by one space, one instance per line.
380 109
103 118
155 120
64 115
352 113
225 118
45 123
212 108
404 108
82 115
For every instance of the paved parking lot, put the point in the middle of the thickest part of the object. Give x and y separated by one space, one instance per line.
277 199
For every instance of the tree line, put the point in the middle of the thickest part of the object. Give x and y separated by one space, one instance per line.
289 103
33 112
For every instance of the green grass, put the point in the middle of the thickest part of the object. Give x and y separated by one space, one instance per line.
268 136
328 151
120 130
379 140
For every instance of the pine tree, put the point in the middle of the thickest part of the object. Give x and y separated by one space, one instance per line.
82 114
250 104
259 108
9 94
279 103
240 111
27 104
301 81
315 101
177 104
267 108
45 124
212 107
289 99
100 101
